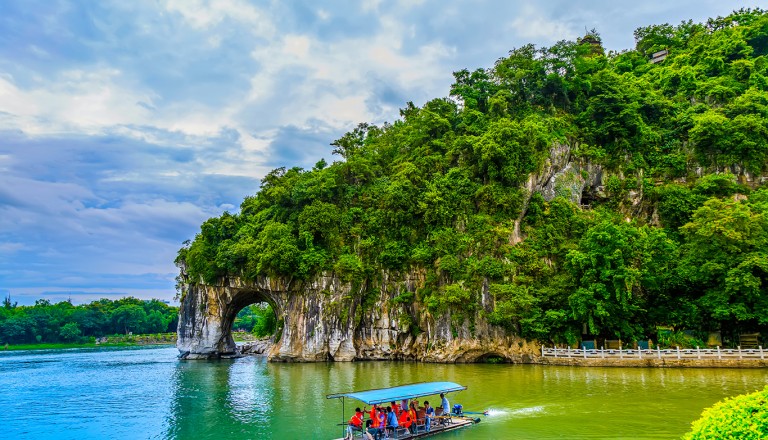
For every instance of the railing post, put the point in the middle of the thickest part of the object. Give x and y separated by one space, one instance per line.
678 352
602 352
761 352
621 355
584 350
718 353
739 351
568 351
698 352
542 350
658 351
639 352
555 351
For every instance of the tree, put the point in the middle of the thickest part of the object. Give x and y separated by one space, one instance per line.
129 317
725 259
70 332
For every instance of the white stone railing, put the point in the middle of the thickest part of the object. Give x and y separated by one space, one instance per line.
675 353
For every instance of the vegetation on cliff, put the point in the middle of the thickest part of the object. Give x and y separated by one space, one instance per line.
677 224
63 322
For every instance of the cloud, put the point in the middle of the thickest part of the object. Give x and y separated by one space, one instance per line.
207 14
124 125
532 23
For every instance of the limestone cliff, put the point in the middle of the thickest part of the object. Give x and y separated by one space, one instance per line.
324 320
327 319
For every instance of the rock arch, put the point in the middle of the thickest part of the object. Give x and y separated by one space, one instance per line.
325 318
207 313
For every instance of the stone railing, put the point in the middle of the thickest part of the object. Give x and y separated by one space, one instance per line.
675 353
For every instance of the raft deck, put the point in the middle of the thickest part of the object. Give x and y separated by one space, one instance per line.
449 424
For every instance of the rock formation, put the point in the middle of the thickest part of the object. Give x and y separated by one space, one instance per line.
326 319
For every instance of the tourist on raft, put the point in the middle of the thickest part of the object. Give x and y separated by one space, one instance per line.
429 414
355 424
376 424
414 417
405 419
444 403
392 424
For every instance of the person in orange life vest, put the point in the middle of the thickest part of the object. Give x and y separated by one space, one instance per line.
405 419
396 409
374 415
355 423
412 413
376 424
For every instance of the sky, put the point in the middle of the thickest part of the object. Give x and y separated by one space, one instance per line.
126 124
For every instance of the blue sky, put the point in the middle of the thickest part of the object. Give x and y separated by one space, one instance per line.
125 124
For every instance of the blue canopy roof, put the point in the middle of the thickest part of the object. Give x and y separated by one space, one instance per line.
402 392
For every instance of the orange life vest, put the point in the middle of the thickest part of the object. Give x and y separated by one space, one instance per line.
405 419
356 420
374 418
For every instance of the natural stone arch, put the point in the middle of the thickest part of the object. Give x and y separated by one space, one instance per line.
324 319
207 313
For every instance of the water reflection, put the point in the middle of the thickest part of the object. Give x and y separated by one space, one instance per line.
221 398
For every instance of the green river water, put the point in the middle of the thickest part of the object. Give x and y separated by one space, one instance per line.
148 393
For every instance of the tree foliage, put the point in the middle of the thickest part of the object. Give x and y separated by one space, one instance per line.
64 322
742 417
446 189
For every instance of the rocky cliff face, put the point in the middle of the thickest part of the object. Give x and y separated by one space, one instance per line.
327 319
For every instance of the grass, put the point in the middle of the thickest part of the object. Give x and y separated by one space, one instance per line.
62 345
112 341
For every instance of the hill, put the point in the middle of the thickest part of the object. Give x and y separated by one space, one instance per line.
579 191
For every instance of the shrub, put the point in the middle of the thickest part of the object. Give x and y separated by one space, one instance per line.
742 417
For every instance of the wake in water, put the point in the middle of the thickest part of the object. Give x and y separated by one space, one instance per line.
520 412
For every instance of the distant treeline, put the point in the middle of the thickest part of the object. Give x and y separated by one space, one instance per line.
65 322
258 319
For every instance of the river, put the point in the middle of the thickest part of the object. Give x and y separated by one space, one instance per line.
146 393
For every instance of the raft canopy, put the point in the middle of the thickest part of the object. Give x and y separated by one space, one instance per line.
410 391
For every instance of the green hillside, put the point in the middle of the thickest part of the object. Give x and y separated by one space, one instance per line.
675 232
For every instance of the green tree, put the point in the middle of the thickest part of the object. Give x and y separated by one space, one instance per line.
129 318
70 332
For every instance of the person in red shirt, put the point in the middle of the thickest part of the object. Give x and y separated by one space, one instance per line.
355 423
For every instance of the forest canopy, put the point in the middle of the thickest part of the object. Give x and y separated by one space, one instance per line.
674 235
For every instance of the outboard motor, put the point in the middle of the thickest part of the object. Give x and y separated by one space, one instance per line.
458 409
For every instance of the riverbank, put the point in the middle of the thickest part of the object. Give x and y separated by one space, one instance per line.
158 339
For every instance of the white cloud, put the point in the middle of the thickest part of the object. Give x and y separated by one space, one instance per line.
78 100
205 14
532 23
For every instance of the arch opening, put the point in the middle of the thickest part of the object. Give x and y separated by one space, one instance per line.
251 322
258 320
492 358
